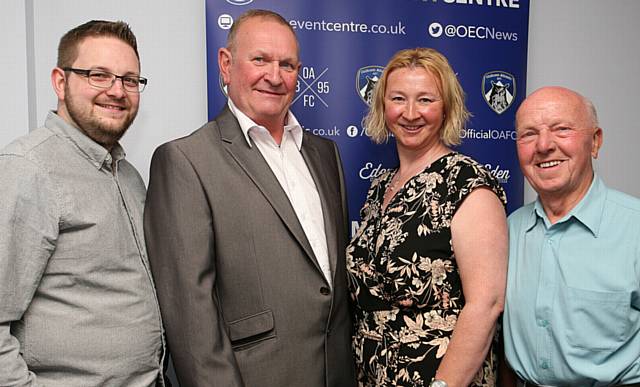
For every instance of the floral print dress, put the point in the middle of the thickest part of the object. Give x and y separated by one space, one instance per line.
403 255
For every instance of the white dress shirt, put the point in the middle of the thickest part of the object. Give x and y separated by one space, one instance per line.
287 164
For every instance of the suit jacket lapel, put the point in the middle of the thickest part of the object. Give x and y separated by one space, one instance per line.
251 161
326 186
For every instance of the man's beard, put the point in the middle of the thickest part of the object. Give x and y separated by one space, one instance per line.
103 132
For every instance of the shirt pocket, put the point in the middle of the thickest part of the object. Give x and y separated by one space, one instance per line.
596 321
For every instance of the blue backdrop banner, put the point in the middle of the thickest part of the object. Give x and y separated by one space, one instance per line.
343 46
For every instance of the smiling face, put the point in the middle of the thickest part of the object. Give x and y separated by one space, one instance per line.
413 109
261 71
102 114
557 137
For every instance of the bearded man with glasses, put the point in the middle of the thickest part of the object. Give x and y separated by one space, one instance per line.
77 301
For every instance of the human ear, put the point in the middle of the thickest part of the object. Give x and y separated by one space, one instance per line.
58 81
597 142
224 64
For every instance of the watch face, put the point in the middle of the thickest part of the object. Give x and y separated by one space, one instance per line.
438 383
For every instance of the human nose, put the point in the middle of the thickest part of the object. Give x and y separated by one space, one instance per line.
272 74
117 88
410 112
545 141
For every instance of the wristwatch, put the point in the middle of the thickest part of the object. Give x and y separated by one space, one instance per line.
438 383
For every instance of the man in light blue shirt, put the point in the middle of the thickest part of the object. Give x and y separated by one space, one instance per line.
572 315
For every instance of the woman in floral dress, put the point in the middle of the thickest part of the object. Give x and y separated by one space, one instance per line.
431 228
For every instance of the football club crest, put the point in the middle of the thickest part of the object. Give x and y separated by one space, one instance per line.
498 90
366 79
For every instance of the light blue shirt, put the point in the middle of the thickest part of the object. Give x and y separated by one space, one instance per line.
572 315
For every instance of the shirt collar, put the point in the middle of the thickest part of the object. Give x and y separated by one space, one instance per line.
247 124
94 152
588 211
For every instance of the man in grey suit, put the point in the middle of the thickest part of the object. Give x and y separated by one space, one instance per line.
246 228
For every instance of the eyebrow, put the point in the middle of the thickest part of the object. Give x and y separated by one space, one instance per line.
270 56
108 70
421 94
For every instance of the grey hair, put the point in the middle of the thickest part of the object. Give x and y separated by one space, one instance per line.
591 109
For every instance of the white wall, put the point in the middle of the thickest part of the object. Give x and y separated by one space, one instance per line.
13 71
593 46
171 46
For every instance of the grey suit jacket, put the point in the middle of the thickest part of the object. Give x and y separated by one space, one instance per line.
243 298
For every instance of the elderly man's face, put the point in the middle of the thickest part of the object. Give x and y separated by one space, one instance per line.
262 70
556 141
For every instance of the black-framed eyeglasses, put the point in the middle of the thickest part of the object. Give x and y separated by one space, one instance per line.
104 79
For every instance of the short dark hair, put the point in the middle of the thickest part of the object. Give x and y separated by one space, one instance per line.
256 13
68 47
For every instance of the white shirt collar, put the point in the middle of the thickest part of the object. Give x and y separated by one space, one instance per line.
247 124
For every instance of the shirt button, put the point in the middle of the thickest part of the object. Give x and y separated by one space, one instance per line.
325 291
544 365
543 323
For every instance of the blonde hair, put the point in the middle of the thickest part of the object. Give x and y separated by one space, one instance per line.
455 112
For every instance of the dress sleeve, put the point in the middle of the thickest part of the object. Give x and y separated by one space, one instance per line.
468 175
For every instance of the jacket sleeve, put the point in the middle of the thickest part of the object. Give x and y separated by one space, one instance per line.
181 246
28 233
